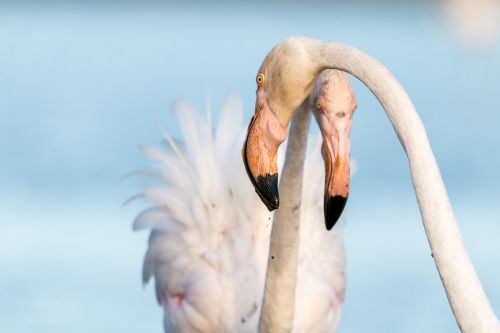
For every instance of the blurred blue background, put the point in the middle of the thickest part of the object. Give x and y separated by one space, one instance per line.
83 83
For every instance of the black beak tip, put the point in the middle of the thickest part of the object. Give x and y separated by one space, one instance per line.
266 186
334 206
267 189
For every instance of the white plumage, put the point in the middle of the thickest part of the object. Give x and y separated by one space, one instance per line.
210 233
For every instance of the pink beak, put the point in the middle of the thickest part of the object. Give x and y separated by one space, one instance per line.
336 156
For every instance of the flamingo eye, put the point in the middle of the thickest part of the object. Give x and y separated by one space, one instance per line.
318 104
260 79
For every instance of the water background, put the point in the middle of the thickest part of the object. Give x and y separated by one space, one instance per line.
83 84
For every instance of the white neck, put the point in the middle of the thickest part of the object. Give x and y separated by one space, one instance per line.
468 301
279 295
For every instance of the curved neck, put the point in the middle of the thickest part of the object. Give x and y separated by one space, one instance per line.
465 294
279 295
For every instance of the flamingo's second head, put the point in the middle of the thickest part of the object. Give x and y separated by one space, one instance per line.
333 103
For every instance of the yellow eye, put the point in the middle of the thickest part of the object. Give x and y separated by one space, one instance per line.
318 104
260 79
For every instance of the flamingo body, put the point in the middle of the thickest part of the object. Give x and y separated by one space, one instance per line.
210 234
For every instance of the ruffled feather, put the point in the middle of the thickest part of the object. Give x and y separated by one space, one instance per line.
210 233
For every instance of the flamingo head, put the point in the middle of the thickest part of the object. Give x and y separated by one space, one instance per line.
283 83
333 104
264 135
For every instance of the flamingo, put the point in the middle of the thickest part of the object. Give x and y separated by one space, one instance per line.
210 234
284 80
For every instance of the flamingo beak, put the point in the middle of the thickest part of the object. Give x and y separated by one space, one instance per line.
260 164
260 149
335 151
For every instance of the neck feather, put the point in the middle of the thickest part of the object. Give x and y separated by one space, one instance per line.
465 294
279 296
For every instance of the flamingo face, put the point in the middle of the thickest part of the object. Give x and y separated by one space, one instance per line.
333 104
264 136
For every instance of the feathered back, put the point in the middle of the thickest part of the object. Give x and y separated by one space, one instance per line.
210 232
